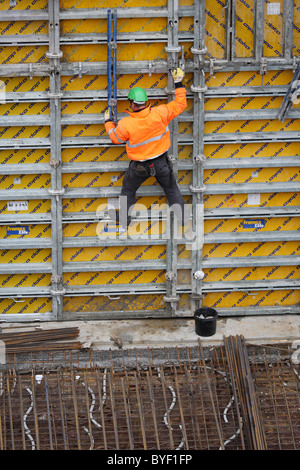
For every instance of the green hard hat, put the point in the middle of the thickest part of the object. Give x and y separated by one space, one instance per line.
138 95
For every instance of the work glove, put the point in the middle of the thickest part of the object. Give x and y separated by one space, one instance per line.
178 75
107 116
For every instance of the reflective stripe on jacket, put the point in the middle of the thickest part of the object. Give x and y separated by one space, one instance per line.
146 132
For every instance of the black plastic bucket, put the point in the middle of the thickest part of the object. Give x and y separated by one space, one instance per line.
205 321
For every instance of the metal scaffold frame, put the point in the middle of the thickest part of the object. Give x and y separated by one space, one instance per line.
201 64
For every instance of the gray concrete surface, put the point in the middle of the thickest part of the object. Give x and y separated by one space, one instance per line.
181 332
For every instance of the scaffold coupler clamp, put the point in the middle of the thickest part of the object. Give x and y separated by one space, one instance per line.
56 97
172 60
263 69
55 57
296 354
200 159
56 192
171 278
200 52
197 189
199 89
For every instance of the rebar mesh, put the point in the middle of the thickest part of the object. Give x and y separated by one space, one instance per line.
185 400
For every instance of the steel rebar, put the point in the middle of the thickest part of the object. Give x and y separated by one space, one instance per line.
231 397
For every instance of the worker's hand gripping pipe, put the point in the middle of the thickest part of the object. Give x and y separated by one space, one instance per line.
112 64
291 94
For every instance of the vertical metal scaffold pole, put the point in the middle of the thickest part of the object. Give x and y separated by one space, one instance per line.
197 187
112 63
172 50
54 55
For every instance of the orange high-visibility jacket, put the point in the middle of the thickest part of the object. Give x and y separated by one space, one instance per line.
146 132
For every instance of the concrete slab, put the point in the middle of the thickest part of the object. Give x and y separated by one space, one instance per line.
181 332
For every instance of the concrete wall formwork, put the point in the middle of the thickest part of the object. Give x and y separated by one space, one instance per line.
235 151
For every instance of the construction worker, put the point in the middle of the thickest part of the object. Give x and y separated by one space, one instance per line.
146 134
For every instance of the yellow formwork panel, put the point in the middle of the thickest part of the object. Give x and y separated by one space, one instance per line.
185 152
100 204
114 277
296 29
261 149
25 5
254 78
236 273
244 36
22 84
232 250
87 180
257 103
66 4
215 41
25 280
25 132
113 253
33 231
251 175
153 51
31 207
23 27
98 53
254 299
25 181
107 304
82 205
215 29
85 130
236 250
22 232
18 156
245 24
263 125
25 256
83 107
99 82
89 107
143 230
248 78
112 179
23 54
22 109
246 200
36 305
124 25
274 28
94 154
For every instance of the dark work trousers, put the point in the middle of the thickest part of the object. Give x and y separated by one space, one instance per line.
161 169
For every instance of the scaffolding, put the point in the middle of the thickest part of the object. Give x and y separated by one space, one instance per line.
200 63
